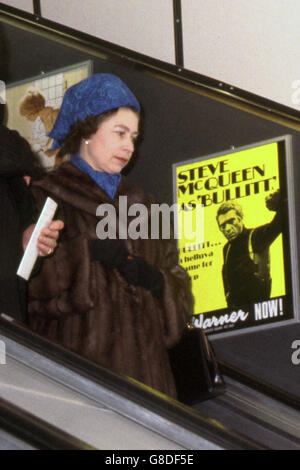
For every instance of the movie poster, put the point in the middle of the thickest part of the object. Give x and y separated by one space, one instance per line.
241 265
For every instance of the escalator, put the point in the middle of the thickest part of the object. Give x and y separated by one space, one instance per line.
84 406
269 421
21 430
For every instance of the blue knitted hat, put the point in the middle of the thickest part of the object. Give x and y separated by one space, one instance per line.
94 95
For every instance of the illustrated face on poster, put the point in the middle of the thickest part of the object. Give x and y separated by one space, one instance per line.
33 106
240 270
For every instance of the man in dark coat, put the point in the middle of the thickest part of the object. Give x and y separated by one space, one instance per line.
17 212
246 268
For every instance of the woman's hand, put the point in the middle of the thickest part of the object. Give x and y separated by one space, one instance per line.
47 240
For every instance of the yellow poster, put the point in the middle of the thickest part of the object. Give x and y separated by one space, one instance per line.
237 266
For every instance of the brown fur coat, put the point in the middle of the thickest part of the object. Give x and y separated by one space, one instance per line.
91 309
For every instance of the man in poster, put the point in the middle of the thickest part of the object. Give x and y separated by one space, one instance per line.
246 268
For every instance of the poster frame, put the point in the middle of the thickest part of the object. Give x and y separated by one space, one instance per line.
292 240
14 88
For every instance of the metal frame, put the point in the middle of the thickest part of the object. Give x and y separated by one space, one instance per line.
87 63
178 39
127 397
33 431
36 7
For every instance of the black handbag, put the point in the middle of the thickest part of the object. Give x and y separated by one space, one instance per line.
195 368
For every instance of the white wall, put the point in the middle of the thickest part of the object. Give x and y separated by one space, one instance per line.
26 5
251 45
145 26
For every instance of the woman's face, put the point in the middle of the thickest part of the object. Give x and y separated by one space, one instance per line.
111 147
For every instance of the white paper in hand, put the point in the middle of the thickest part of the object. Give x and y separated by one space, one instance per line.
31 253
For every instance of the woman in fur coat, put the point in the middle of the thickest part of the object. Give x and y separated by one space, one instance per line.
120 301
